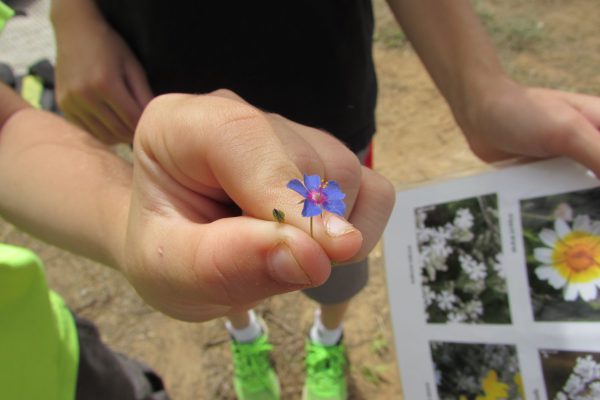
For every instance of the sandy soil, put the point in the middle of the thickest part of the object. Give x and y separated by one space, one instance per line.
544 42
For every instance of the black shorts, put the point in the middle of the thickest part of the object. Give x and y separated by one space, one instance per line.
103 374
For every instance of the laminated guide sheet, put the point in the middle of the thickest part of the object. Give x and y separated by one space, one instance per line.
494 284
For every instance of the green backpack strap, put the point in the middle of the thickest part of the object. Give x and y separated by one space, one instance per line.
39 349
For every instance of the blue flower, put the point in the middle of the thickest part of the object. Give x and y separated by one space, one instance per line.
319 195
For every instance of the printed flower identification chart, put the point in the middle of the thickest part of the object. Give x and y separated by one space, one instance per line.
494 284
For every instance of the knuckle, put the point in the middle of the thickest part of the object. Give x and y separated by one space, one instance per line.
157 107
347 168
388 192
76 92
223 92
101 81
241 125
380 191
564 138
244 114
167 99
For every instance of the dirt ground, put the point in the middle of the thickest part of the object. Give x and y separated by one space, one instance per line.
553 43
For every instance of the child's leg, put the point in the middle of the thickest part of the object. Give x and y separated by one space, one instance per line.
254 376
240 320
244 327
332 315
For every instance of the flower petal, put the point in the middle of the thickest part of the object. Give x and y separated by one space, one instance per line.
561 227
543 255
333 191
298 187
549 274
312 182
310 209
587 291
571 292
582 223
549 237
335 206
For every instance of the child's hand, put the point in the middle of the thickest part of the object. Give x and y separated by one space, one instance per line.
199 161
100 84
509 120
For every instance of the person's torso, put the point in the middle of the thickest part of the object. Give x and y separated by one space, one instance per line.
310 61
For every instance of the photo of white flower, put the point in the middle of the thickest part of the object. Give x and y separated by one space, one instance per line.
460 254
571 258
561 235
570 375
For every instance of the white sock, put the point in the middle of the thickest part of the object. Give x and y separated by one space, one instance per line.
248 333
320 334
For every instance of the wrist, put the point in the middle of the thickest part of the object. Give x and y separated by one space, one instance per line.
115 214
475 99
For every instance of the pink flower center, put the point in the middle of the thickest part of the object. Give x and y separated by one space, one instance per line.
317 197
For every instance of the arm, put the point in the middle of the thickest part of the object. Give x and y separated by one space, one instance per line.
450 40
499 118
59 184
101 86
172 224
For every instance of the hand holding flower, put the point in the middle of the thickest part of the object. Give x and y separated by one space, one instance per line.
209 171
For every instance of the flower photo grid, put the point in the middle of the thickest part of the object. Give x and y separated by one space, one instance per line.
462 276
561 236
492 258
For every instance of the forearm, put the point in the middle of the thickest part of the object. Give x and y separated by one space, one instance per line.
453 45
68 16
62 186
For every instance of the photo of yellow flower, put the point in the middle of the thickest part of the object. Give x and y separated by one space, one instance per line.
561 237
571 258
476 371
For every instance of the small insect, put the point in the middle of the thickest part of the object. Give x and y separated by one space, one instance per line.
279 215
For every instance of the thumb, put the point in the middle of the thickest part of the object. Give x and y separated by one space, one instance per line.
209 270
256 259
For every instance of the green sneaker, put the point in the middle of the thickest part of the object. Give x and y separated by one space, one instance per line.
325 372
254 377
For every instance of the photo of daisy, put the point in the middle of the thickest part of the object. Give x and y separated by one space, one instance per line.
570 374
468 371
561 236
460 252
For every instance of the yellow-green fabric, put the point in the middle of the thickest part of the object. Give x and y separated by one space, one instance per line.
39 350
6 13
32 89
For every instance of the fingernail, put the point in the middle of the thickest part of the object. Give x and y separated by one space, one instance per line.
283 266
337 226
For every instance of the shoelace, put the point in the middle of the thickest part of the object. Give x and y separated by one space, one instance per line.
325 364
